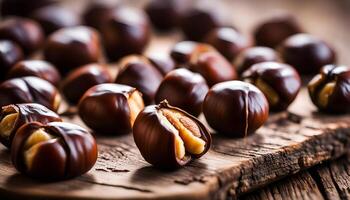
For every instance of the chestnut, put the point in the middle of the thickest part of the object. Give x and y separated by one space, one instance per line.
38 68
197 23
183 89
55 151
182 51
163 64
83 78
253 55
126 32
110 108
168 137
138 72
228 41
329 90
52 18
279 82
72 47
22 7
25 32
276 29
307 53
98 13
10 54
214 67
13 116
29 89
235 108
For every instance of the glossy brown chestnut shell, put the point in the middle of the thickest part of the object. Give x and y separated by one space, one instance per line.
13 116
164 64
168 137
235 108
83 78
38 68
10 54
54 151
183 89
110 108
98 13
279 82
182 51
29 89
307 53
70 48
330 89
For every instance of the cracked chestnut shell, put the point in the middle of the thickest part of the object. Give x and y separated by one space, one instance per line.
10 54
307 53
254 55
72 47
183 89
78 81
235 108
110 108
38 68
330 89
279 82
55 151
13 116
126 32
137 71
168 137
22 7
29 89
25 32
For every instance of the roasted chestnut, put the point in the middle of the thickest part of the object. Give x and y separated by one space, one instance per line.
52 18
183 89
330 89
182 51
276 29
13 116
138 72
307 53
110 108
162 63
235 108
279 82
228 41
10 54
126 32
25 32
38 68
22 7
29 89
70 48
55 151
98 13
211 65
168 137
83 78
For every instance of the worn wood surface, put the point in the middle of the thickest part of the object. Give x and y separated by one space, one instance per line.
288 143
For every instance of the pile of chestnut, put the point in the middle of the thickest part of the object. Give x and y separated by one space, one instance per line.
49 54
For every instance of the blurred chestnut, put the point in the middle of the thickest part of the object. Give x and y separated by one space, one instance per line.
83 78
163 64
168 137
52 18
279 82
211 65
307 53
70 48
183 89
54 151
330 89
10 54
25 32
227 41
182 51
235 108
38 68
197 23
98 13
126 32
110 108
138 72
276 29
253 55
22 7
29 89
13 116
